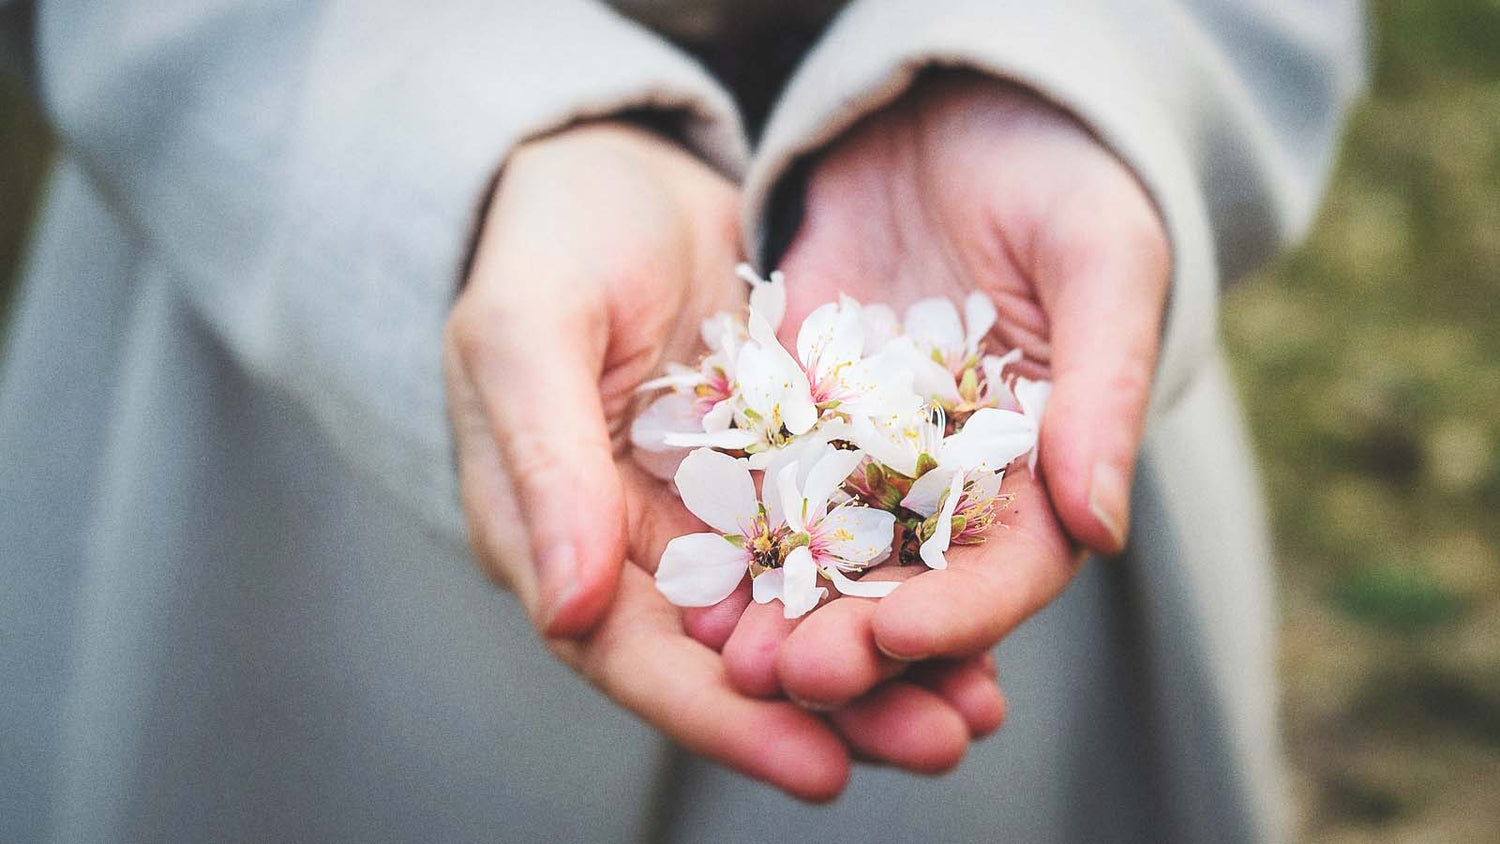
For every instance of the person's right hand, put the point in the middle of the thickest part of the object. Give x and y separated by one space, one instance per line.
603 249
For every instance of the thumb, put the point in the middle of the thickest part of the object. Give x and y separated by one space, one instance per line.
530 357
1104 293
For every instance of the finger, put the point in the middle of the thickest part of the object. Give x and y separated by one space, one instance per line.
751 652
1104 287
712 626
639 656
831 658
986 590
969 687
904 725
534 364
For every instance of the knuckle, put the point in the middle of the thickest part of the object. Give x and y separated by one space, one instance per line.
1133 378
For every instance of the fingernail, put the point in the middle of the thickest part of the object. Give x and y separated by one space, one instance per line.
899 657
557 574
1109 501
812 706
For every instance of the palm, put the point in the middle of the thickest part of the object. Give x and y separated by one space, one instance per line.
964 185
972 187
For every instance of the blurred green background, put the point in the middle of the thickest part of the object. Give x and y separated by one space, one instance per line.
1370 362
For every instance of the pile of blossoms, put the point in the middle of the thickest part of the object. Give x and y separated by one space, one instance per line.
877 440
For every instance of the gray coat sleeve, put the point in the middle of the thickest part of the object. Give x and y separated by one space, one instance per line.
1229 111
310 173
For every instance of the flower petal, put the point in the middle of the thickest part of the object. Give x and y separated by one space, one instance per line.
757 380
930 379
700 569
677 377
979 317
767 296
880 326
1032 396
934 549
987 484
732 439
859 536
831 336
862 588
766 587
816 332
884 440
994 378
990 439
798 413
827 475
772 382
717 489
804 451
792 504
799 590
716 328
933 323
718 417
672 413
881 385
926 493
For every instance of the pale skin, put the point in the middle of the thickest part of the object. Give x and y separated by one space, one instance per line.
578 294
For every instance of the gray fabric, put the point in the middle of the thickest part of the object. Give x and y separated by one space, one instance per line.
216 630
235 601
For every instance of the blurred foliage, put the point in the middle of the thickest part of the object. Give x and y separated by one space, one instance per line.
1370 363
1369 359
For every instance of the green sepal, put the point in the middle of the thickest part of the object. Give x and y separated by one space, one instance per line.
968 386
925 463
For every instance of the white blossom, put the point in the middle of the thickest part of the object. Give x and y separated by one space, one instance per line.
859 393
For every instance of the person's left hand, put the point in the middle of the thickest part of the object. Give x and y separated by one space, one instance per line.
968 183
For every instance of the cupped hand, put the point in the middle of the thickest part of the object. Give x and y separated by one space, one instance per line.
972 184
603 248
